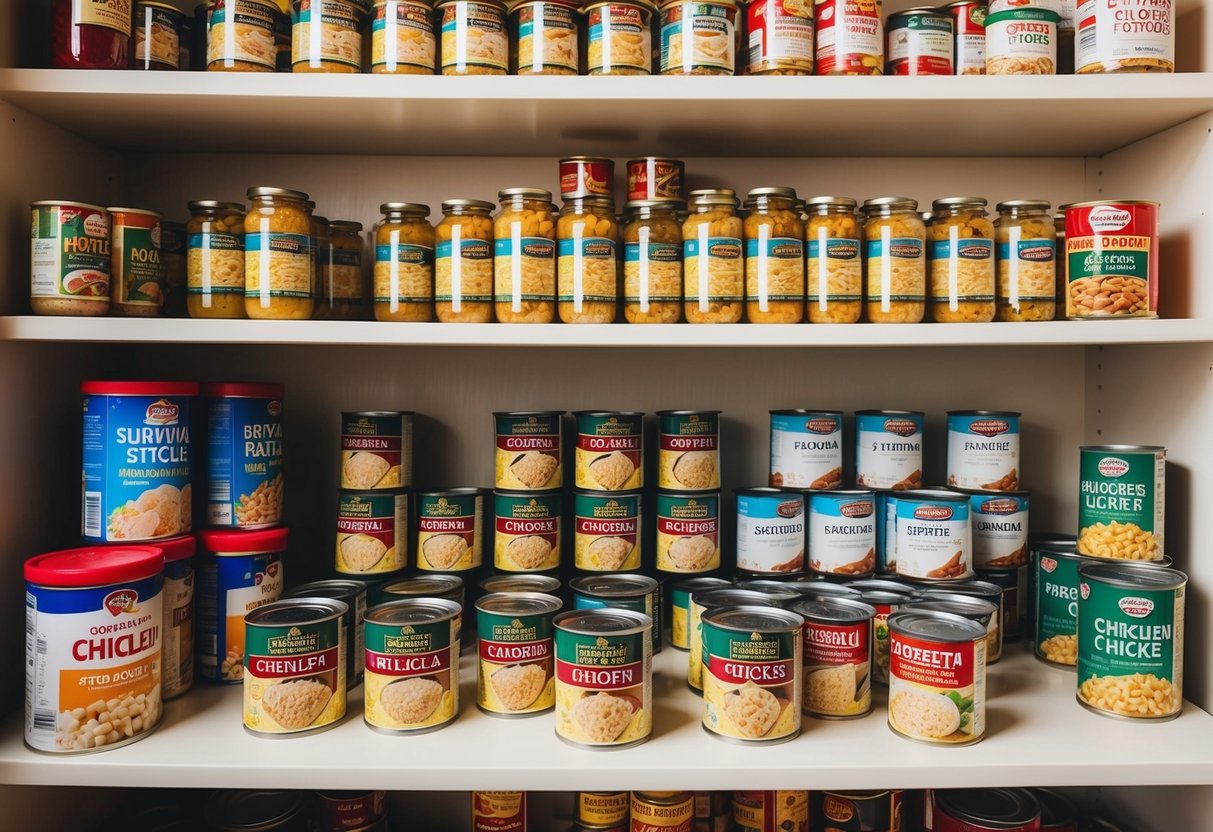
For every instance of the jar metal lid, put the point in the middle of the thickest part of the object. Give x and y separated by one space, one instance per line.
412 208
959 202
348 226
831 201
284 193
594 201
777 192
525 193
667 204
215 205
1023 205
469 204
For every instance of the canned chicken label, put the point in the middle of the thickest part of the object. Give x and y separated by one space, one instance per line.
515 653
376 450
1055 577
869 811
780 36
669 813
934 539
655 178
751 676
528 532
582 176
177 655
604 686
842 533
1126 36
698 36
983 451
547 40
412 665
70 253
498 811
1022 41
968 37
920 43
688 533
242 31
1112 260
850 37
780 811
602 809
806 450
528 451
688 456
770 531
372 532
1000 530
888 449
405 39
609 454
1122 501
619 42
474 35
244 467
837 663
230 586
937 688
450 531
606 532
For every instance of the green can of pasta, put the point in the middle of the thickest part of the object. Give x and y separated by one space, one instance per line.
688 532
609 454
688 450
412 665
450 529
1122 497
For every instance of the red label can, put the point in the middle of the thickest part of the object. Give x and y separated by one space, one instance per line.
350 810
498 811
860 811
1112 259
984 810
850 37
582 176
780 36
655 178
968 36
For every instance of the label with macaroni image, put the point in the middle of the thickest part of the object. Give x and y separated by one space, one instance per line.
474 35
1121 501
326 31
164 45
780 264
902 252
618 39
549 42
406 40
221 265
840 254
242 31
403 284
780 36
475 258
590 262
537 264
961 262
277 265
724 256
698 36
1055 577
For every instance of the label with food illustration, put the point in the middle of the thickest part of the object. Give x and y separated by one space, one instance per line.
230 586
604 684
70 252
528 450
498 811
603 810
983 450
837 657
1125 35
327 32
780 35
920 43
688 533
586 267
164 44
857 811
697 36
216 265
549 42
405 40
888 449
403 272
1056 606
609 453
655 178
412 665
842 533
1000 530
372 532
463 270
277 265
770 531
524 269
242 31
515 653
780 811
713 269
934 539
450 530
1022 41
688 454
474 35
244 467
582 176
806 449
969 33
751 675
138 273
662 812
885 604
775 266
1122 501
528 532
850 37
618 41
606 532
376 450
937 689
836 275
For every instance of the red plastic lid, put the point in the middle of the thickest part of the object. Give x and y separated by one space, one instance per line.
94 566
244 391
140 388
178 548
262 540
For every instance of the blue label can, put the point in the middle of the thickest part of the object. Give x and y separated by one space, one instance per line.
244 466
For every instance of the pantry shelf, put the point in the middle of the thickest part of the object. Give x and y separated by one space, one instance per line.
1037 735
614 116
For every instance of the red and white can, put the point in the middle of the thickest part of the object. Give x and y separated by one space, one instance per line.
350 810
968 36
919 43
498 811
655 178
582 176
779 35
983 810
1112 259
850 37
837 657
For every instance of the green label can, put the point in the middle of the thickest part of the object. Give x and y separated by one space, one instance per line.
1122 498
688 450
69 258
688 532
372 532
680 603
412 665
639 593
450 529
1055 574
138 272
528 449
609 454
527 530
515 666
606 531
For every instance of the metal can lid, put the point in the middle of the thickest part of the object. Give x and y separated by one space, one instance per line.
779 192
411 208
604 621
754 619
881 585
414 611
1136 576
973 589
67 203
689 412
94 566
1124 448
689 585
519 584
774 589
989 808
1098 202
285 193
631 414
214 205
833 610
240 390
823 493
801 411
424 585
237 810
820 588
731 597
1005 414
338 588
712 196
115 209
931 495
519 603
525 193
614 586
1022 204
462 491
139 388
520 413
892 203
977 609
305 610
880 596
935 625
466 204
378 414
594 159
917 413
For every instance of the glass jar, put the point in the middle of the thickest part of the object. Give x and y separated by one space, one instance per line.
524 261
774 257
402 37
89 35
244 45
896 256
326 36
587 261
172 255
474 39
652 262
619 37
404 263
158 36
1026 257
342 295
215 260
320 245
463 268
835 268
699 37
962 261
1063 262
550 25
278 258
713 268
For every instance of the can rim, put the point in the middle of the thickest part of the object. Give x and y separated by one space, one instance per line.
244 390
689 412
318 588
325 609
768 619
689 585
916 623
577 622
458 491
1123 448
1009 413
1116 574
376 413
67 203
920 414
139 388
1096 203
614 586
441 582
803 411
541 603
508 413
552 583
412 611
595 413
1018 808
833 610
752 598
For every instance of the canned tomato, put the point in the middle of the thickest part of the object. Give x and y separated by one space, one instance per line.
837 657
968 36
842 532
1013 584
688 455
1122 501
1131 640
545 584
655 178
752 674
1000 529
527 531
919 43
515 669
353 594
770 531
638 593
528 450
609 455
372 532
601 810
662 812
585 176
859 811
780 36
680 602
499 812
888 449
604 678
934 536
376 450
985 810
781 811
885 603
412 665
850 37
294 666
980 610
135 266
69 258
96 616
136 460
237 573
937 677
983 450
350 810
450 529
245 461
806 449
1112 259
688 533
706 599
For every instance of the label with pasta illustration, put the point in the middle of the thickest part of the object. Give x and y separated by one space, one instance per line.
473 35
778 265
466 277
241 31
549 41
405 40
604 684
277 265
698 37
1122 499
586 267
618 39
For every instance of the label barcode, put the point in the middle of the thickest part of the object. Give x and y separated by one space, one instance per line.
41 646
92 514
44 720
220 491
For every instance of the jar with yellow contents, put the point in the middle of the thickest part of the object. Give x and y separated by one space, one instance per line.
524 257
1025 250
241 37
652 262
712 263
962 261
544 37
895 238
835 267
774 257
402 37
326 36
587 261
619 37
342 294
1062 284
404 263
278 261
474 38
215 260
463 265
320 245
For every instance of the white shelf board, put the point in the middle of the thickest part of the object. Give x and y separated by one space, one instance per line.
374 333
1038 735
613 116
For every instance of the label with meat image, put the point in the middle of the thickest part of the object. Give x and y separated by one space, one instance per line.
888 450
1000 530
806 450
934 539
842 533
770 532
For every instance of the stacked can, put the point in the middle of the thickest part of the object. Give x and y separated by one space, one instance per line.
528 499
688 492
607 498
373 502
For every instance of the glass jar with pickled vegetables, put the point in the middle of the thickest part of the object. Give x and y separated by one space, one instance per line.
404 263
1063 261
463 266
587 264
962 261
652 262
524 257
342 295
402 37
242 37
326 36
278 258
895 238
544 37
619 39
712 265
215 260
474 39
774 257
835 267
1026 256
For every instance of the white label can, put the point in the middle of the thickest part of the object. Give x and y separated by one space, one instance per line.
934 537
983 450
770 531
1000 530
842 532
806 449
888 451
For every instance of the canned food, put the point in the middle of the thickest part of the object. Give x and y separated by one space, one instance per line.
638 593
1121 509
837 657
888 449
515 663
499 812
619 39
781 811
937 677
808 587
1013 584
770 531
582 176
710 806
372 532
528 450
544 41
158 36
706 599
934 536
610 450
136 270
245 461
806 449
527 531
241 36
1112 259
752 674
782 591
885 603
353 594
983 450
1022 40
886 532
989 592
520 583
294 666
919 43
860 811
402 37
980 610
376 450
968 36
69 258
412 665
1055 603
450 529
850 38
880 585
1131 640
688 455
274 811
662 812
1115 37
1000 529
842 532
177 653
680 602
604 678
475 38
655 178
449 587
350 810
985 810
688 532
601 810
780 38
